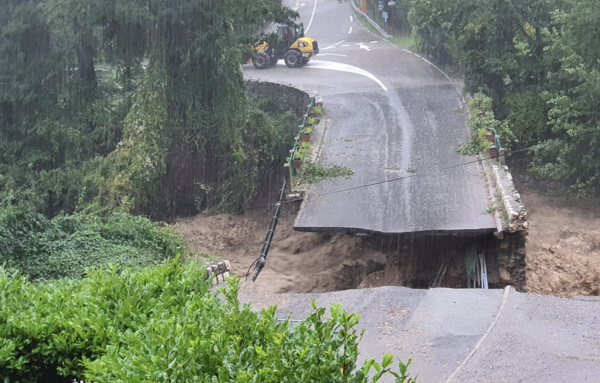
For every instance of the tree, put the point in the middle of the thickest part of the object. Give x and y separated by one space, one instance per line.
78 76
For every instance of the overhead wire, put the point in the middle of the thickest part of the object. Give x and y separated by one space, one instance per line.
418 174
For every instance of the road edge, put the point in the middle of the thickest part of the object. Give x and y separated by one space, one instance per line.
383 33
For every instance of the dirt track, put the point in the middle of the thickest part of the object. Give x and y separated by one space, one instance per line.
563 250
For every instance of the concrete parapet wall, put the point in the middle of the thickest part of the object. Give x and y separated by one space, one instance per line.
286 97
516 215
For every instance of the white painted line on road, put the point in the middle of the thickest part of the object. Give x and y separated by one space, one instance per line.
350 31
430 63
374 42
330 65
333 45
298 5
487 332
311 17
351 18
365 47
346 45
331 54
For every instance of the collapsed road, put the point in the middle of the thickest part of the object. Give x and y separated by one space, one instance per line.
396 120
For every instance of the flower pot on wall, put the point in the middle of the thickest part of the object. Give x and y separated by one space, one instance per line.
305 137
297 163
494 152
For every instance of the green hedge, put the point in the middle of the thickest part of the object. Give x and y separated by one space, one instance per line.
65 246
162 324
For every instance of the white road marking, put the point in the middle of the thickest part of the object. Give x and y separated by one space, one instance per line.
298 5
332 45
365 47
374 42
350 31
311 17
330 65
351 18
485 334
346 45
331 54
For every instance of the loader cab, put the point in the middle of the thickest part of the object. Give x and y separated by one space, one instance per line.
289 33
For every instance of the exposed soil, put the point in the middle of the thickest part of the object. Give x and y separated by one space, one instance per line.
563 247
297 262
563 251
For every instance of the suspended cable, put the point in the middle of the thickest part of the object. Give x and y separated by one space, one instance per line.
420 174
261 261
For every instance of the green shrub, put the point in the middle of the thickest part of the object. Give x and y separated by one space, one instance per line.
481 119
313 173
162 324
66 246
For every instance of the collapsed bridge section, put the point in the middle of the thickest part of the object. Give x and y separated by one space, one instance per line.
457 216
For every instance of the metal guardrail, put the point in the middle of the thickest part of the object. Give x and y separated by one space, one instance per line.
371 21
297 139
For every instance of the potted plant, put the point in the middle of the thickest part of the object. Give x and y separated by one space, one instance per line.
312 121
302 151
318 110
305 136
297 163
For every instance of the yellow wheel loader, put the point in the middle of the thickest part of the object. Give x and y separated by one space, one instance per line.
289 44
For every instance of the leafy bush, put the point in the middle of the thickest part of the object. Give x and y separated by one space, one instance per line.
314 173
481 119
162 324
66 245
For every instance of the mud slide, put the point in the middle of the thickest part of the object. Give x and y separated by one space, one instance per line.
563 247
297 262
563 251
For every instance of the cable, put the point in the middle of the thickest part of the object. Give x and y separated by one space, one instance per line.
426 173
262 257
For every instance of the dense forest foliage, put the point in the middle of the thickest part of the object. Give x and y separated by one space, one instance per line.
133 105
539 62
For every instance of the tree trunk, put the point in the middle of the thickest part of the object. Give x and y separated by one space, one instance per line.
85 55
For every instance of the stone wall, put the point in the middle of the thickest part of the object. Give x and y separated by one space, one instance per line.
286 97
512 260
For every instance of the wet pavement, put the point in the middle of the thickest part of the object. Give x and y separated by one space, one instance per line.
393 119
533 339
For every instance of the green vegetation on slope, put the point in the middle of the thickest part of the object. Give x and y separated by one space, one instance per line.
112 107
65 246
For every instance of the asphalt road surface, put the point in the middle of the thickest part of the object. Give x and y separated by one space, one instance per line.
396 121
449 335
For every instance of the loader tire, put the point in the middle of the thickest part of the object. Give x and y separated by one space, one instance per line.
293 59
261 60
